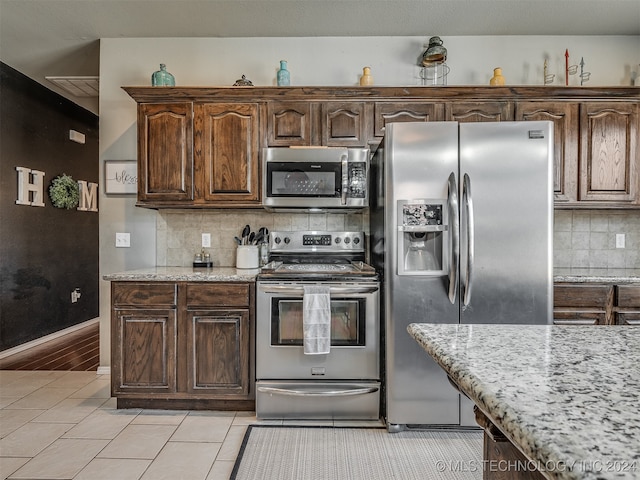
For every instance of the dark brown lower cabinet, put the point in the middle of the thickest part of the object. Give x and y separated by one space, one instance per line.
183 345
596 304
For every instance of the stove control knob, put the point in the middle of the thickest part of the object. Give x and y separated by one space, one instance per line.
356 240
347 240
287 240
337 240
277 240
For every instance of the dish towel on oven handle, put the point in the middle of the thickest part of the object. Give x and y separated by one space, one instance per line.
316 319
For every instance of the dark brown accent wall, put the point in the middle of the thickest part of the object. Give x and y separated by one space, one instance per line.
45 252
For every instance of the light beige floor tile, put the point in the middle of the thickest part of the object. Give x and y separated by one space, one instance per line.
221 470
113 468
232 442
204 427
31 439
44 397
102 424
99 388
70 410
7 376
8 465
183 460
74 380
7 401
61 460
245 418
138 441
308 423
359 423
160 417
11 420
113 404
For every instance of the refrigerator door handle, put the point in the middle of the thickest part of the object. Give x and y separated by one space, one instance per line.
452 205
468 204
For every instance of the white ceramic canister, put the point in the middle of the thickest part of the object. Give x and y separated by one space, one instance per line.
247 256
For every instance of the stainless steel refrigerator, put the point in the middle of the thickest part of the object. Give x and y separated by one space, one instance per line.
461 232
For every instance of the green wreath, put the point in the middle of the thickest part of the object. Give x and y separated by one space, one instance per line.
64 192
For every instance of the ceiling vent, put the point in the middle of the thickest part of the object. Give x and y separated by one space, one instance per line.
78 86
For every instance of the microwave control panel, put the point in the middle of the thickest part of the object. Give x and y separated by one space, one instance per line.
357 179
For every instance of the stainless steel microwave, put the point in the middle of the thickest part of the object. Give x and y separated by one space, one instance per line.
315 178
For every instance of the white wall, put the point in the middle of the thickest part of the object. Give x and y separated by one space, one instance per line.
611 60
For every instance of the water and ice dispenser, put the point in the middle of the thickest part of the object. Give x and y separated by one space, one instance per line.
422 237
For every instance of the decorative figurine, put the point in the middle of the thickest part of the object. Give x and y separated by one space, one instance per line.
162 78
243 82
283 77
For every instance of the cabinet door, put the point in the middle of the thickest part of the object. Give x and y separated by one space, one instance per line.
165 152
226 152
609 154
217 351
344 124
289 124
628 304
479 111
565 119
143 351
405 112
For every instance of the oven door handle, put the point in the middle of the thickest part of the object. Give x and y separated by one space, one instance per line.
300 290
318 393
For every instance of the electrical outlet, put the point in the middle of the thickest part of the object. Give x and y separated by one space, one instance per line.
123 240
75 295
620 240
206 240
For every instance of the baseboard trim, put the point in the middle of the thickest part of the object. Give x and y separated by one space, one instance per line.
47 338
103 371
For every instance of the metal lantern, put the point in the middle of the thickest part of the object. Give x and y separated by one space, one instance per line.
434 63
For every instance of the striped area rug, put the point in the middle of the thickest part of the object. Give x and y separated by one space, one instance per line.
328 453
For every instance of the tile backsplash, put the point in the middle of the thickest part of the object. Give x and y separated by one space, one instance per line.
587 238
582 238
179 232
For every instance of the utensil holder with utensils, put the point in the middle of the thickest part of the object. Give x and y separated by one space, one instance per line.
247 256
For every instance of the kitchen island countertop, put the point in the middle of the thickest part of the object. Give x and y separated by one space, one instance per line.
566 396
185 274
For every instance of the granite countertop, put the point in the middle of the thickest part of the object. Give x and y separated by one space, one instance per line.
567 396
186 274
596 275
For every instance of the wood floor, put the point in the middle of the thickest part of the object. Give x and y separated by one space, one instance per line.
78 351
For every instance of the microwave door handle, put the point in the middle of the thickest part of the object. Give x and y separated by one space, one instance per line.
468 204
454 228
345 177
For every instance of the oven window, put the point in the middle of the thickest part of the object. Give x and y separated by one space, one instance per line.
347 322
303 179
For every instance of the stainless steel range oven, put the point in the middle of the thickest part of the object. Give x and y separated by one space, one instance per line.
292 383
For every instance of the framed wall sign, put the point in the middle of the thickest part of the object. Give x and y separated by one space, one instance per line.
120 177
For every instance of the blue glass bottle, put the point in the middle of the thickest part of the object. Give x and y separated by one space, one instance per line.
283 76
162 78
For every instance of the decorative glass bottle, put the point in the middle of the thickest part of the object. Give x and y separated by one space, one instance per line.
283 76
162 78
497 78
366 78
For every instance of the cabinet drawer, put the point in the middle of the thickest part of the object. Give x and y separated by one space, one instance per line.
128 293
629 296
578 318
581 296
218 294
628 318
